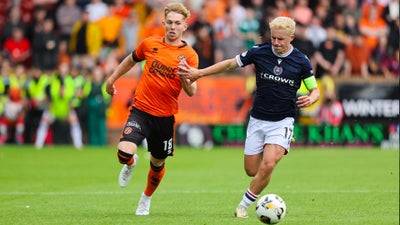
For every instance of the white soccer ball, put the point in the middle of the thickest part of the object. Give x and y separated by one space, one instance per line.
270 209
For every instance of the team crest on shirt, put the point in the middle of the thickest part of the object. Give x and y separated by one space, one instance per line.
278 70
128 130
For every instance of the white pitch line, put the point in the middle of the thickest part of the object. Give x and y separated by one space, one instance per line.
62 193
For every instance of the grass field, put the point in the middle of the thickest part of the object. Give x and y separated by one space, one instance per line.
61 185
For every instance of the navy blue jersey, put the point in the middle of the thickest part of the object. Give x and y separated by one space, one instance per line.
277 80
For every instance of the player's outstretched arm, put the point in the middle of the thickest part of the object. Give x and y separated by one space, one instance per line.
188 86
193 74
121 69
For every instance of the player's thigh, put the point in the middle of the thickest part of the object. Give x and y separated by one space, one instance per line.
273 154
160 139
252 163
255 137
133 133
280 133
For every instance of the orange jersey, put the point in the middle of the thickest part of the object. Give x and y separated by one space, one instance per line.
159 87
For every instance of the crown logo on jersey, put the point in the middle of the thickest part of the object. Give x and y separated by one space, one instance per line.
278 70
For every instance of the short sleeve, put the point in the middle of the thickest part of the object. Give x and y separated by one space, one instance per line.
247 57
193 60
138 53
307 70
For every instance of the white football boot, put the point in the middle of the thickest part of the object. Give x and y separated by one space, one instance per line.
126 173
241 212
143 208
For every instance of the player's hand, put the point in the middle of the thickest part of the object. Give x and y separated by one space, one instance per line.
304 101
187 72
110 87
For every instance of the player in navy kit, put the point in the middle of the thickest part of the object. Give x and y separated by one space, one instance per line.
280 69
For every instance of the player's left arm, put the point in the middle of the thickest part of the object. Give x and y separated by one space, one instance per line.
189 86
313 96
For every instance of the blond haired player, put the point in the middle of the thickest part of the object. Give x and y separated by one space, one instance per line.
155 100
280 69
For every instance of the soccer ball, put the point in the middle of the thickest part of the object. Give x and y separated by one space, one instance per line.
270 209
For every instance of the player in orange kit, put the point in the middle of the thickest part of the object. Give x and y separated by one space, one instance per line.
156 99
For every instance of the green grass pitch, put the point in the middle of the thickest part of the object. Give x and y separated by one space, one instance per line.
60 185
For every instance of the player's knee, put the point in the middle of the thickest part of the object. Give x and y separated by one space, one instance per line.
124 157
267 165
251 172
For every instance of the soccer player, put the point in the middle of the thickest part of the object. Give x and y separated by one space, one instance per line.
155 99
280 69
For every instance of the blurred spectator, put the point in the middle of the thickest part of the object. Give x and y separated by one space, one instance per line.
36 102
97 9
340 26
330 56
97 103
281 8
85 37
63 55
230 43
371 24
302 43
302 13
204 40
17 47
5 5
357 56
377 56
121 9
67 15
45 47
391 65
351 9
110 27
130 30
12 119
351 25
27 8
391 11
214 9
40 15
331 111
204 46
60 94
14 21
394 33
315 32
236 12
153 25
249 28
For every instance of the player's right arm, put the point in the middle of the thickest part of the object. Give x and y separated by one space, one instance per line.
193 74
121 69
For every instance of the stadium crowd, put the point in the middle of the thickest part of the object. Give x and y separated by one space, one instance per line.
55 54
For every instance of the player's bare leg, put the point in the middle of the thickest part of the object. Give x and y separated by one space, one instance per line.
265 163
272 155
251 165
156 173
127 156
